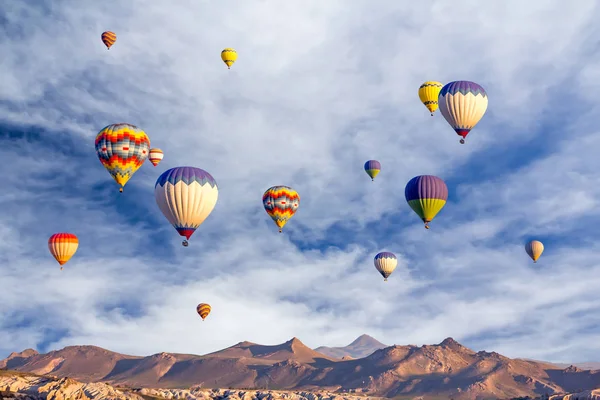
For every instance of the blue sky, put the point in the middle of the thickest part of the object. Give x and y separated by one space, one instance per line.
318 89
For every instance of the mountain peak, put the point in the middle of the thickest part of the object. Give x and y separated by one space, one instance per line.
365 340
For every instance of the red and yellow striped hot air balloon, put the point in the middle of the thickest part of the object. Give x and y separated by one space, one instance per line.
63 246
281 203
203 310
108 38
155 156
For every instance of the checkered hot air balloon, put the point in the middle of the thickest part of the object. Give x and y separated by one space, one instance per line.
122 149
281 203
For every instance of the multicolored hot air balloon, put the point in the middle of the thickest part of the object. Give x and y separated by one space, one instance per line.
63 246
229 56
428 93
122 149
385 262
462 103
186 196
426 195
203 310
155 156
108 38
534 249
281 203
372 168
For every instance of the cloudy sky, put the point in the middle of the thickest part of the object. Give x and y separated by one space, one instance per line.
319 88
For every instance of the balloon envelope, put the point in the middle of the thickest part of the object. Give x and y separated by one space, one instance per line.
203 310
229 56
155 156
385 262
122 149
462 103
186 196
372 168
63 246
108 38
281 203
534 249
428 94
426 195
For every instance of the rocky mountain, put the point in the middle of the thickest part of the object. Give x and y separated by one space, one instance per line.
444 370
363 346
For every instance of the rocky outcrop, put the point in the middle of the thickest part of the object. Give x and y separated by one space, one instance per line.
222 394
32 387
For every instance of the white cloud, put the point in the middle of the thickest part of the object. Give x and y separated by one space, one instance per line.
318 89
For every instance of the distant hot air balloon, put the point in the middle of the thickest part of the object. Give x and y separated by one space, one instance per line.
229 56
122 149
372 168
428 93
462 103
203 310
186 196
63 246
385 262
281 203
426 195
155 156
109 38
534 249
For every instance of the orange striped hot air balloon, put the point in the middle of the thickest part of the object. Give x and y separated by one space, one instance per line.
155 156
203 310
63 246
109 38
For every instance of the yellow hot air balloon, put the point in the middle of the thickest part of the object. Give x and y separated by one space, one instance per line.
203 310
281 203
534 249
428 93
63 246
229 56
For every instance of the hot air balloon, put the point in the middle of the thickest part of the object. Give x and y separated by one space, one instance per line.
63 246
229 56
426 195
109 38
186 196
428 93
372 168
385 262
281 203
155 156
462 103
535 249
122 149
203 310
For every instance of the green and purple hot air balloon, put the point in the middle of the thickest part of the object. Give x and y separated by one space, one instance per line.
462 103
426 195
372 168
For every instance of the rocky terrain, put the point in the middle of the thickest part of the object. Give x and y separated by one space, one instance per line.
442 371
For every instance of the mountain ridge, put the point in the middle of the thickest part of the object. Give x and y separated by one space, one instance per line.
445 369
361 347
